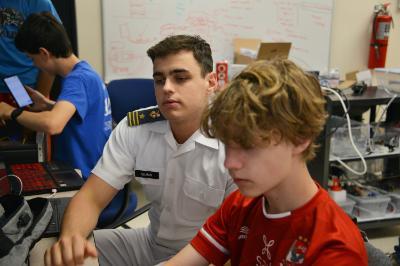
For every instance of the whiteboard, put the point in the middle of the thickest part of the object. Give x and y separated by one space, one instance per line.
130 27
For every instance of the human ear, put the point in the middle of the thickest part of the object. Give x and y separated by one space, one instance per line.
301 146
44 52
212 82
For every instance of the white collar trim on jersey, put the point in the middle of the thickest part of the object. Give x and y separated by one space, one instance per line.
273 215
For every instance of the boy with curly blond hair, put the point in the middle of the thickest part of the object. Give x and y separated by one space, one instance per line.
269 117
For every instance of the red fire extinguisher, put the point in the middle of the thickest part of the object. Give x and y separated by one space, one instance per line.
380 36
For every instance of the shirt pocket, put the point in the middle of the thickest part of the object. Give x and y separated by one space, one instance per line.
152 188
200 200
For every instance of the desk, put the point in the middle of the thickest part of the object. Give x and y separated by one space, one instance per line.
371 97
36 255
368 100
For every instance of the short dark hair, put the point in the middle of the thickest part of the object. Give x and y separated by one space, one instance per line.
176 43
43 30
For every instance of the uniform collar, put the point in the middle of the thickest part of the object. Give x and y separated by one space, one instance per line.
163 127
209 142
159 127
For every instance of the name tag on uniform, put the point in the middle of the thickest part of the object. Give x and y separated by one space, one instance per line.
146 174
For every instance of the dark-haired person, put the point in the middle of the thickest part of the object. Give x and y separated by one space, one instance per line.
181 170
12 61
269 117
81 116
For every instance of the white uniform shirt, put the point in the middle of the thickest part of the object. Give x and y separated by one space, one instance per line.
186 183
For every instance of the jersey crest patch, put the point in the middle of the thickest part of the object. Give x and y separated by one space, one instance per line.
297 251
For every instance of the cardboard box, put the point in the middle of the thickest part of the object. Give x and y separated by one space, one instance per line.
355 76
350 80
249 50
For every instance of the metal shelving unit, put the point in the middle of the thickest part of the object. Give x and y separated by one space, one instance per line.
319 167
374 155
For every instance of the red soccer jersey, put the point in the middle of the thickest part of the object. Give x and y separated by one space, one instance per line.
318 233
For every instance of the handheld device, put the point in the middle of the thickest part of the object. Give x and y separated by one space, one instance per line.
18 91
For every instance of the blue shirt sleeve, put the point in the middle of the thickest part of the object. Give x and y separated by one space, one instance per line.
42 6
73 91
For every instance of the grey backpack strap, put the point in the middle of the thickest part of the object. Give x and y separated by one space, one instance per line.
6 244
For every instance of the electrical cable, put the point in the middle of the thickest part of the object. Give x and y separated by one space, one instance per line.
376 127
53 191
343 116
19 181
350 137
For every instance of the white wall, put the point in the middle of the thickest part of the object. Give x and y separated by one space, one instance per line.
90 40
351 32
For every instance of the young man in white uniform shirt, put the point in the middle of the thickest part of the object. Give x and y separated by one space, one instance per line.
181 170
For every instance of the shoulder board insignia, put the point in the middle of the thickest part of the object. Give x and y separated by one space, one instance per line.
144 115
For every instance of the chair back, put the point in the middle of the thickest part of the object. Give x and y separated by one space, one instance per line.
126 95
130 94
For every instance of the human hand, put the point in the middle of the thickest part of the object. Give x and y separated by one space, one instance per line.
5 112
70 250
40 102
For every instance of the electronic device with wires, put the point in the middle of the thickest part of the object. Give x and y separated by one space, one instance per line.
359 88
39 178
17 152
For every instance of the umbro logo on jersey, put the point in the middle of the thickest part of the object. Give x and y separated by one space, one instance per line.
244 231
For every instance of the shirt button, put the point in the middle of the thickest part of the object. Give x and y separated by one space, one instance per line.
172 181
168 209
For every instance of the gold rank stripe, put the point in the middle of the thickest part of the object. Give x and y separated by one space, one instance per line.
133 118
143 116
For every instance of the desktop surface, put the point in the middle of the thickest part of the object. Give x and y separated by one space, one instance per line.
372 95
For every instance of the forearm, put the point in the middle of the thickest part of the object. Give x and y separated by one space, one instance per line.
187 256
79 220
85 207
73 222
42 121
52 122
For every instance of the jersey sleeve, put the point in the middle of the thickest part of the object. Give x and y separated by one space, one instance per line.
212 239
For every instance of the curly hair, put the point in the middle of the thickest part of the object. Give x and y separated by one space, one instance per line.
267 99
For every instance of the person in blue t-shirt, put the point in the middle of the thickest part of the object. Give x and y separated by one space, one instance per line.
81 116
12 61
